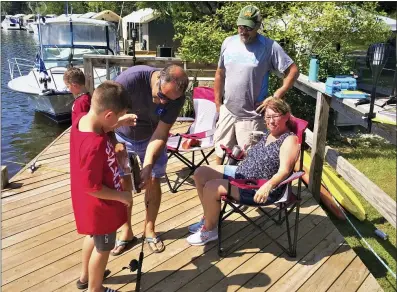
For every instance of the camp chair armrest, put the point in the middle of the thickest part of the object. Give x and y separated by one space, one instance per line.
200 135
179 140
228 153
184 119
247 184
254 184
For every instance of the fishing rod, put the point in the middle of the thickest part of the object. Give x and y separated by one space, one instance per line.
136 265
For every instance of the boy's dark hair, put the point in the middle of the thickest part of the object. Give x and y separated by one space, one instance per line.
74 75
110 95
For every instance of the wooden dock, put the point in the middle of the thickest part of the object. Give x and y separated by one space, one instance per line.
41 250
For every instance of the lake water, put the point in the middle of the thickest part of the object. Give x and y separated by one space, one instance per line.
24 132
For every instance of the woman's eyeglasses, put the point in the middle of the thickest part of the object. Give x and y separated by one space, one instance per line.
274 117
244 27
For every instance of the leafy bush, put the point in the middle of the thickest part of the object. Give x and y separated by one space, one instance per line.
302 28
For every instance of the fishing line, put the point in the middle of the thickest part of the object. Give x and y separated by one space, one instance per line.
33 167
361 237
368 245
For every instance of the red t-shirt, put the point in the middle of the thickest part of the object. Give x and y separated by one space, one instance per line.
93 164
81 105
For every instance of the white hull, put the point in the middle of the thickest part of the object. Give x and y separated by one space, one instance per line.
58 103
30 27
57 106
9 25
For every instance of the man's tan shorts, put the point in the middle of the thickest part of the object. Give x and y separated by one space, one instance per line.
231 131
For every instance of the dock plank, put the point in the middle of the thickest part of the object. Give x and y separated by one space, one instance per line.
41 250
370 285
352 277
323 278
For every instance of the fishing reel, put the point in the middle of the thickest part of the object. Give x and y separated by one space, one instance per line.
133 265
32 168
136 265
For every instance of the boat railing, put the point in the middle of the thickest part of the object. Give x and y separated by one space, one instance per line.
20 65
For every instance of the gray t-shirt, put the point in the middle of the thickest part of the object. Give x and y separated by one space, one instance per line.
246 67
136 80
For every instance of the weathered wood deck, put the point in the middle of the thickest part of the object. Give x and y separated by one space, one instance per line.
41 250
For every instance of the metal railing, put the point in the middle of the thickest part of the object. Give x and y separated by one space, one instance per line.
17 64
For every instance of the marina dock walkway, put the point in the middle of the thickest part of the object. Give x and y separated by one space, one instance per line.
41 250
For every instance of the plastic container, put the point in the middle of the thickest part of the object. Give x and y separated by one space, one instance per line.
235 153
340 82
314 68
381 234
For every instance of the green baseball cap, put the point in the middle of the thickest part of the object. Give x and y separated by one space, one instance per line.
249 16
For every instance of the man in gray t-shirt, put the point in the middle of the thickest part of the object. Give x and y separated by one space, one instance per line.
242 78
157 97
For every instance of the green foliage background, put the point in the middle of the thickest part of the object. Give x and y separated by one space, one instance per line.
302 28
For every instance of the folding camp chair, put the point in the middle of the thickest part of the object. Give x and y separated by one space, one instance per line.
285 205
201 132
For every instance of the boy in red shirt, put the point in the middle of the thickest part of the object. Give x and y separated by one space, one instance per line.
74 80
99 203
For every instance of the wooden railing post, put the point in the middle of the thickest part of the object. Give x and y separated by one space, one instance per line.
89 74
4 176
107 70
319 139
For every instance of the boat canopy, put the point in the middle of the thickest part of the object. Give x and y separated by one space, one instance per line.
79 33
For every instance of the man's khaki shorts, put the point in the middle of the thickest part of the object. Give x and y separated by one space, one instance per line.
231 131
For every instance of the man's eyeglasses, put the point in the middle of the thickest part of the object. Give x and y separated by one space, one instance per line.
244 27
274 117
161 95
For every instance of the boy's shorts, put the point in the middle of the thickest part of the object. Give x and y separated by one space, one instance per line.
104 242
139 147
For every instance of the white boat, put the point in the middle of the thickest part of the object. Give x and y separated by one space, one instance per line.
62 43
32 27
11 23
27 20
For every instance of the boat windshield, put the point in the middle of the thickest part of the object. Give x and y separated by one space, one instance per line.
79 37
54 53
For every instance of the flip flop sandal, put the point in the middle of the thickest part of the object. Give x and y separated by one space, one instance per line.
154 241
126 244
80 285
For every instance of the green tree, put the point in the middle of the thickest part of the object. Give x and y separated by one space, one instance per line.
5 7
302 28
117 7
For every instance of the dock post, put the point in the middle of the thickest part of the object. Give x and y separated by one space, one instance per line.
4 176
89 75
319 139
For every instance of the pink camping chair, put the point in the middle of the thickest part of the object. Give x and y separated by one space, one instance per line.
200 134
285 205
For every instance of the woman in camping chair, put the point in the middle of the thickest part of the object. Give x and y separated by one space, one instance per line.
273 158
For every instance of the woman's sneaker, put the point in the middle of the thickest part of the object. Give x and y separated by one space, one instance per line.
203 236
196 226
